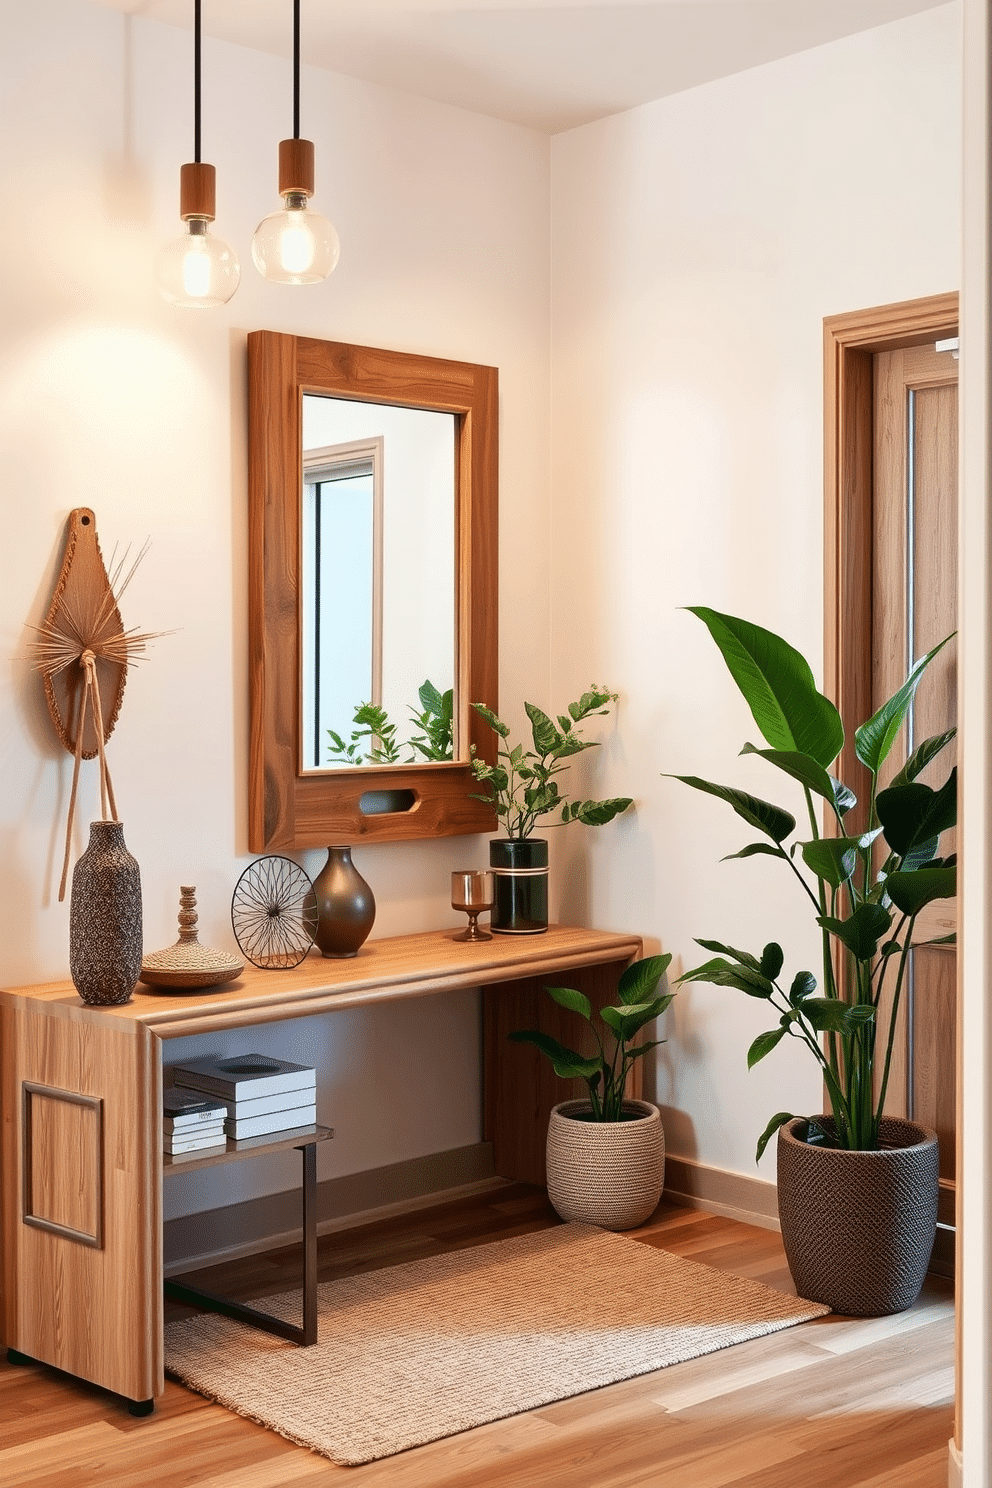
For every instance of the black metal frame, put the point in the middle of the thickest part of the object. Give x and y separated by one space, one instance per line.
177 1291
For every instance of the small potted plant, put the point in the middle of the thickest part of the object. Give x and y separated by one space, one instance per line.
522 787
606 1154
857 1190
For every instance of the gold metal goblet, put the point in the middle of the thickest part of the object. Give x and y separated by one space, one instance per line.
472 893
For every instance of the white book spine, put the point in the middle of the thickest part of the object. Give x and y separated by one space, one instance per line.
194 1120
257 1126
193 1144
244 1087
285 1100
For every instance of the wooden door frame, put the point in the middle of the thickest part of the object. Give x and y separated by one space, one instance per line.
849 344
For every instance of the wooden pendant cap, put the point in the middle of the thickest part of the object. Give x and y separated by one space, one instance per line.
295 166
197 191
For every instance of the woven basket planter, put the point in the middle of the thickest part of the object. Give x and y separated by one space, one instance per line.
606 1173
858 1227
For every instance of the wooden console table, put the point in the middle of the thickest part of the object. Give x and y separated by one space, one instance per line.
82 1120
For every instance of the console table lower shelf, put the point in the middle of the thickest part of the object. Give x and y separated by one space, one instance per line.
303 1140
81 1162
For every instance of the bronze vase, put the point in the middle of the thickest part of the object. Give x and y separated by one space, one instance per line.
345 905
105 919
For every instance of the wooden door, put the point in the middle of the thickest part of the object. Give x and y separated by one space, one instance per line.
914 606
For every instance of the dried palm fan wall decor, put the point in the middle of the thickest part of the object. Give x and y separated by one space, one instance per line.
83 652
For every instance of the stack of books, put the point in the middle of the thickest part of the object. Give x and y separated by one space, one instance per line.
260 1094
191 1121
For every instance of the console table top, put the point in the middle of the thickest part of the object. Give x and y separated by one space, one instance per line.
401 966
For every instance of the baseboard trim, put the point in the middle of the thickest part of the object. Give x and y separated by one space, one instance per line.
752 1201
955 1467
235 1230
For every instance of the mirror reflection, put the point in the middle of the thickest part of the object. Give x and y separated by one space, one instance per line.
378 584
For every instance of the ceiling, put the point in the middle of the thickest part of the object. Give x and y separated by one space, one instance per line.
546 64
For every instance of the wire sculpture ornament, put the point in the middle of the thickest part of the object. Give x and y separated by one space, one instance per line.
274 913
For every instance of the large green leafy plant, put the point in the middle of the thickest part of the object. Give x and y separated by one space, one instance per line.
521 786
866 887
604 1072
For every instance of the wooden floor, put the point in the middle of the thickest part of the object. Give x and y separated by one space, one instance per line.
834 1403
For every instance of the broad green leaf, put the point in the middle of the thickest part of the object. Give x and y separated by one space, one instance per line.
496 724
831 1015
844 797
430 699
722 974
567 1064
546 736
764 1044
753 849
777 686
571 744
641 978
568 997
922 856
833 859
911 891
772 820
802 767
627 1021
779 1119
803 985
772 959
862 931
921 757
874 739
598 813
912 814
744 957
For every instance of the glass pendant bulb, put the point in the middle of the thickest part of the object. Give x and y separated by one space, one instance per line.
296 245
197 270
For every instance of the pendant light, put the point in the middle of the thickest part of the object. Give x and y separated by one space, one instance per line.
296 245
197 270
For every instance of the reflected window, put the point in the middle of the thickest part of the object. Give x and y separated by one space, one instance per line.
342 590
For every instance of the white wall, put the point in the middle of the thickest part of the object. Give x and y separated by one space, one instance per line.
113 399
698 242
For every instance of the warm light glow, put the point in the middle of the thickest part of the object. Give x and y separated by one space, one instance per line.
295 246
197 270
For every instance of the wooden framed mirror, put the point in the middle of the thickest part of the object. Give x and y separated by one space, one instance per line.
433 552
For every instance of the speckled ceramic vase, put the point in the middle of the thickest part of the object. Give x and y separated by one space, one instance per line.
105 919
345 905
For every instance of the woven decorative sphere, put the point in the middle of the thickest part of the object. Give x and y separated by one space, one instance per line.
606 1173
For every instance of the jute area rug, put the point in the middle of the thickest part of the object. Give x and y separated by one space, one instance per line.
429 1348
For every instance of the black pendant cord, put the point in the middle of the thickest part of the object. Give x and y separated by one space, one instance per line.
196 80
296 68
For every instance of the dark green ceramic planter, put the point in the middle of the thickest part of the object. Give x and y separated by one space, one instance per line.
520 883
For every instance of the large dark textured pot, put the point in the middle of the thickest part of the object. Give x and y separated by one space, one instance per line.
858 1227
105 919
520 885
345 905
